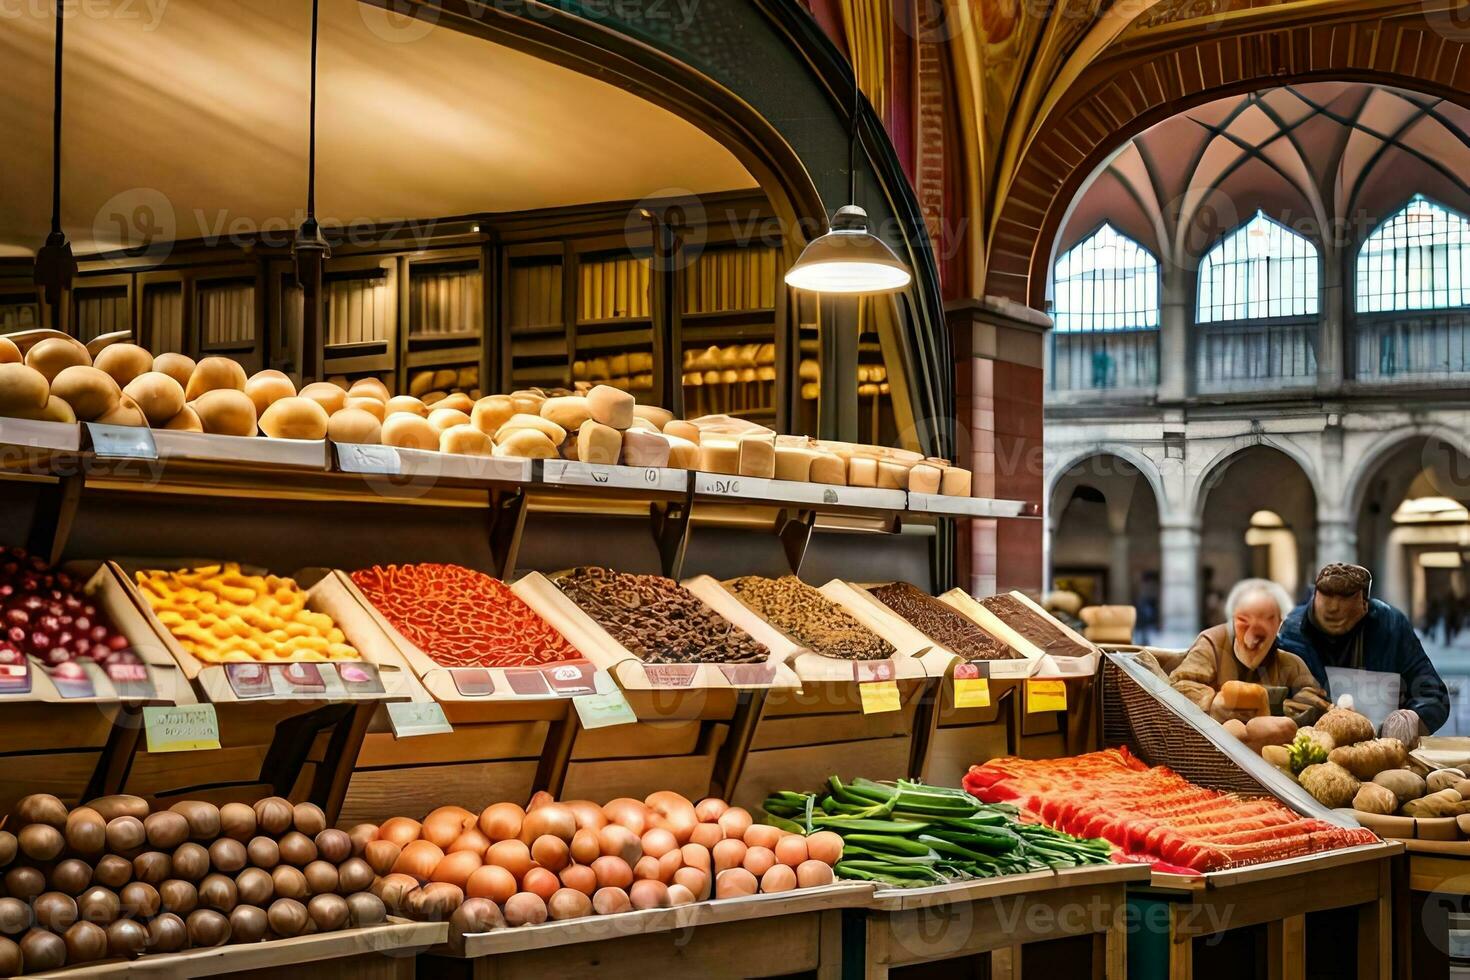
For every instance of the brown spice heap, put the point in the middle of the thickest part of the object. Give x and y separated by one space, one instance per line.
1038 629
810 618
949 628
657 619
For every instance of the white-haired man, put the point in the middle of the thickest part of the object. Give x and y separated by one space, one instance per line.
1243 648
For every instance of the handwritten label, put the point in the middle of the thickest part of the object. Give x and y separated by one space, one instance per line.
122 441
411 718
378 460
971 692
879 696
604 710
181 728
1045 695
671 675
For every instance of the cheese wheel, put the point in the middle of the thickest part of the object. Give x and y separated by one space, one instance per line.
719 456
55 354
491 412
159 396
458 401
598 443
331 397
794 463
955 482
89 391
687 431
553 432
355 425
180 367
123 362
125 412
186 421
22 389
611 406
9 353
893 475
375 407
758 457
407 431
660 417
265 387
862 471
828 468
683 454
527 443
297 417
405 404
447 418
569 411
924 478
225 411
215 374
369 388
642 448
466 439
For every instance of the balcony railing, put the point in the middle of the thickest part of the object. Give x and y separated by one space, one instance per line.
1097 360
1253 354
1411 346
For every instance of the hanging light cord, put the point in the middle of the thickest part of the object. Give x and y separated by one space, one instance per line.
311 149
852 142
56 126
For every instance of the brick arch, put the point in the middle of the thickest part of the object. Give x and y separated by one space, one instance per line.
1079 135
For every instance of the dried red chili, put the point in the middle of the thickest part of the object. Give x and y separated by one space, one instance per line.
461 617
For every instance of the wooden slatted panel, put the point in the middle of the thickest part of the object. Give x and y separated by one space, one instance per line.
535 296
446 300
613 289
731 279
62 774
226 313
376 794
162 328
100 310
359 311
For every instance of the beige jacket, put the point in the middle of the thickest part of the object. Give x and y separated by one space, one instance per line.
1211 661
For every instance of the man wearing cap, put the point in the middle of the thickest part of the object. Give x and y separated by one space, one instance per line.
1356 644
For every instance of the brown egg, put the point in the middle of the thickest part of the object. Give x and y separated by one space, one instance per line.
493 882
237 821
470 840
273 816
125 836
85 943
456 868
40 842
86 832
620 842
399 830
362 835
191 862
476 915
153 867
204 823
218 892
707 835
381 855
778 878
612 872
321 877
139 899
728 854
248 924
328 912
41 808
297 849
609 901
112 871
309 819
55 911
99 905
354 875
364 909
15 917
735 883
287 917
11 961
511 855
120 805
579 877
433 902
586 847
166 830
24 883
758 860
541 882
228 855
126 939
255 887
825 846
813 874
525 909
207 928
263 852
791 850
649 894
550 852
178 897
418 859
8 847
42 950
679 895
71 876
695 880
289 882
333 845
167 934
568 903
394 891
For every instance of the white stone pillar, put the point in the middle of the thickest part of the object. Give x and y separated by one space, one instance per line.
1337 540
1176 317
1179 580
1120 579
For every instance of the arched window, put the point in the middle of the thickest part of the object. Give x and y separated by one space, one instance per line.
1260 270
1419 259
1107 281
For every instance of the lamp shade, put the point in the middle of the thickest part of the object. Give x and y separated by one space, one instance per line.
848 259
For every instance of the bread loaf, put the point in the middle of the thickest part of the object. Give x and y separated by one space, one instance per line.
1243 696
446 418
683 454
373 406
332 398
598 443
644 424
568 411
296 417
355 425
553 432
794 463
421 384
55 410
214 374
719 455
125 412
641 448
22 389
408 431
123 362
758 457
528 443
466 439
924 478
225 411
611 406
267 386
55 354
9 353
828 468
405 404
186 421
180 367
954 482
159 396
660 417
89 391
893 475
369 388
457 400
491 412
527 401
687 431
862 471
444 378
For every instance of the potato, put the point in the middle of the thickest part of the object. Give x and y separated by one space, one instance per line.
1403 783
55 354
1442 779
1372 798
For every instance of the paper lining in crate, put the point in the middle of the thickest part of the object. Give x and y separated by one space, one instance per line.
380 674
1048 664
1018 667
915 654
1032 658
599 646
564 679
157 680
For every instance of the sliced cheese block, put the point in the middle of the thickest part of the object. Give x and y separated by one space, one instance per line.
758 457
527 443
683 454
687 431
924 478
955 482
893 475
794 463
553 432
719 456
598 443
466 440
643 448
828 468
569 411
862 471
660 417
611 406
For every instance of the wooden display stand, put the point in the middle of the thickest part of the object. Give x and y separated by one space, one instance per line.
1432 881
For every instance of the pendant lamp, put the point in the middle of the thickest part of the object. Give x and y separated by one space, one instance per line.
56 267
849 258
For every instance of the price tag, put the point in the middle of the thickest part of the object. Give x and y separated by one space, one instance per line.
122 441
410 718
378 460
971 692
879 696
604 710
1045 695
181 728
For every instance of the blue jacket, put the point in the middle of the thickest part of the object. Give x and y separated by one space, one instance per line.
1389 645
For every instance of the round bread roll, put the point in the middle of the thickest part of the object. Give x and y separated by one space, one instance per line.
376 407
458 401
329 396
22 389
225 411
567 411
660 417
186 421
159 396
9 353
55 354
369 388
91 392
215 374
125 412
180 367
295 417
491 412
554 433
405 404
56 410
355 425
526 443
466 440
407 431
447 418
123 361
265 387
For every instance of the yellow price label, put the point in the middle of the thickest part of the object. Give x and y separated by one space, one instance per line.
971 692
1045 695
879 696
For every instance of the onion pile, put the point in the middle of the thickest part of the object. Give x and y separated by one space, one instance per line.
46 615
514 866
113 880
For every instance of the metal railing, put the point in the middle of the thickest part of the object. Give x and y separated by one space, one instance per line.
1097 360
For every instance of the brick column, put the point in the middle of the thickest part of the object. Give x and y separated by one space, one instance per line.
999 358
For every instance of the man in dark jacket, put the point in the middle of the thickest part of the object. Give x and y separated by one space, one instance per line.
1341 626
